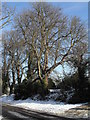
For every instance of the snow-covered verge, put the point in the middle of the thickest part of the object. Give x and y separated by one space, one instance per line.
53 107
58 95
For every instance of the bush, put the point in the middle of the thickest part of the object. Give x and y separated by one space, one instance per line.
81 95
81 88
20 91
51 84
69 82
27 89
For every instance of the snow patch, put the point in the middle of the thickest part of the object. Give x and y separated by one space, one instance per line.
7 99
50 106
1 117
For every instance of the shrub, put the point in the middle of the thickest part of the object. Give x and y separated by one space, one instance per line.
81 88
51 84
68 82
81 95
27 89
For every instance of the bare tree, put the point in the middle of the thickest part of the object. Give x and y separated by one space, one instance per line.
5 68
12 55
6 14
51 36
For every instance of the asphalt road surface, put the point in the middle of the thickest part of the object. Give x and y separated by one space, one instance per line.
15 113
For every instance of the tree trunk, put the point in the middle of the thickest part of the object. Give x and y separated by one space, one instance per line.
29 74
13 78
18 75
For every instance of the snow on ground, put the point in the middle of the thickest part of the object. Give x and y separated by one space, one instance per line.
42 106
1 117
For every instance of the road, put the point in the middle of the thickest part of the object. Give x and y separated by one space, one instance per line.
15 113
